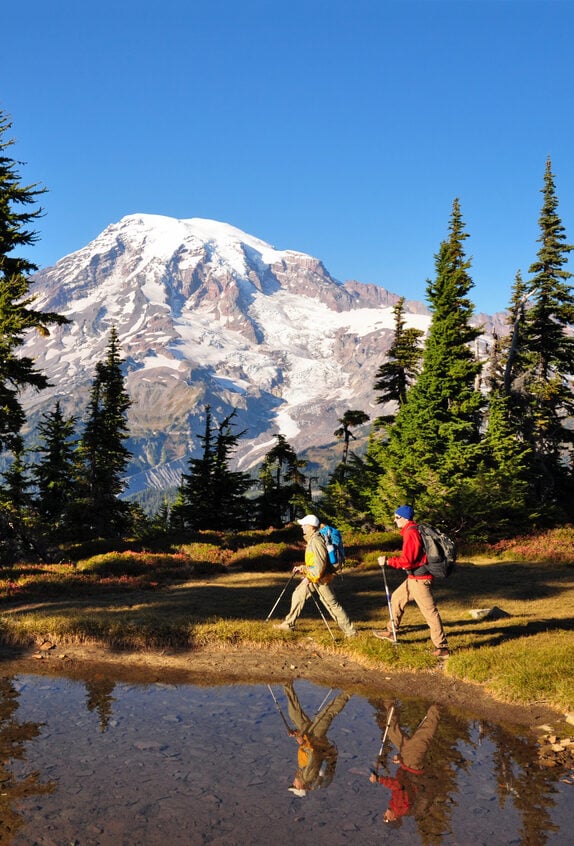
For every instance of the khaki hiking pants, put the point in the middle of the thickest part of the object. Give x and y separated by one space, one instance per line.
319 725
412 750
324 594
419 591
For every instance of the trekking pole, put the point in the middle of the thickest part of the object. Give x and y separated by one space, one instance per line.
380 755
312 590
278 706
383 568
279 597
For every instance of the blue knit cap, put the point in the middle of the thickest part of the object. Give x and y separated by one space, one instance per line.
406 511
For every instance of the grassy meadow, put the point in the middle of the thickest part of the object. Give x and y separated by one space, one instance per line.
220 589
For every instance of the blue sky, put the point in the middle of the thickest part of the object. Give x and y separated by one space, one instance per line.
341 128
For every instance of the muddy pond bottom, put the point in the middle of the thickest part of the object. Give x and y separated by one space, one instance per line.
101 763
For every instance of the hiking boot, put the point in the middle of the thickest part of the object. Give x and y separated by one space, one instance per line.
441 652
385 635
284 627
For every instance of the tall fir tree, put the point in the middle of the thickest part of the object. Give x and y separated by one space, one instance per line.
541 363
17 517
497 498
283 485
512 355
17 317
435 441
399 371
103 455
213 494
54 473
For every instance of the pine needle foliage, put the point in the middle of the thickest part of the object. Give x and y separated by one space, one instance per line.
434 445
400 370
17 315
212 495
541 364
102 453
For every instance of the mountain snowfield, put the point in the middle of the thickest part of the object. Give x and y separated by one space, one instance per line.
207 314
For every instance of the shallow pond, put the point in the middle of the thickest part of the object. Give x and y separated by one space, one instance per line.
105 764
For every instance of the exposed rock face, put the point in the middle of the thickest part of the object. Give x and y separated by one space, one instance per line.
207 314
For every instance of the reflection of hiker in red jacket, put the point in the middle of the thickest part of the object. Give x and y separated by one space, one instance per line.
407 782
316 756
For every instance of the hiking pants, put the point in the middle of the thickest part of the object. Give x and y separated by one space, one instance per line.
329 600
412 750
419 591
319 726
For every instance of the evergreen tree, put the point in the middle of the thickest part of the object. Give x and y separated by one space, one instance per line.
102 452
16 313
343 498
160 522
199 509
178 510
283 485
350 419
16 487
514 364
399 371
497 499
54 473
495 366
214 496
17 517
434 444
346 498
542 365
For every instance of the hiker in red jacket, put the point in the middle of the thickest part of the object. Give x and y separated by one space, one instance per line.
417 585
409 785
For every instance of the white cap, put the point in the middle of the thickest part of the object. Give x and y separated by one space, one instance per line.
309 520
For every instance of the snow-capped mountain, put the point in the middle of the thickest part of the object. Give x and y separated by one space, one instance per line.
207 314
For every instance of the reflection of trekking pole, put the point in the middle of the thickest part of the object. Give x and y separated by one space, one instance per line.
278 706
380 755
329 692
279 597
421 722
313 592
383 568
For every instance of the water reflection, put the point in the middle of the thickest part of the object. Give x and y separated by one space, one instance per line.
13 739
100 699
414 789
316 756
104 764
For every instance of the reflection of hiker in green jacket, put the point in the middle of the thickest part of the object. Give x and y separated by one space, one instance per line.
409 779
316 756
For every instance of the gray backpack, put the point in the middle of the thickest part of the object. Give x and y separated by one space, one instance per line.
440 550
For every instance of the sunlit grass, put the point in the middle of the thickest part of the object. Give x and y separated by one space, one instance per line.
532 669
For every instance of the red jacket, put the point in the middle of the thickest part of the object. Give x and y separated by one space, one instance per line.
403 793
413 554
